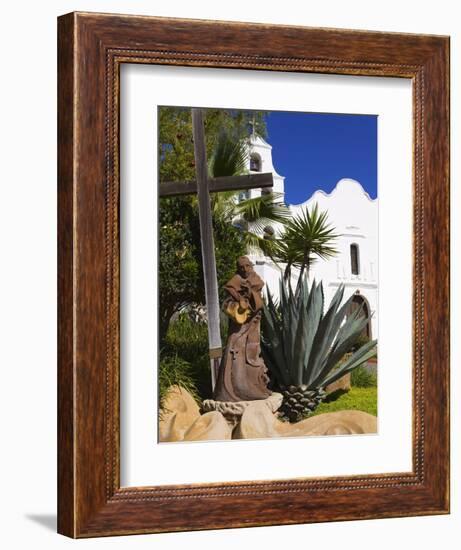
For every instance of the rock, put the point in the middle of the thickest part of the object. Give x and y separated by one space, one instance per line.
233 411
258 422
335 423
181 420
210 426
343 383
179 412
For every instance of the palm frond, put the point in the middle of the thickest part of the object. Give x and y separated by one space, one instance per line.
229 157
255 243
307 237
263 210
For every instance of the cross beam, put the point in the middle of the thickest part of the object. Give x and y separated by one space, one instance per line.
227 183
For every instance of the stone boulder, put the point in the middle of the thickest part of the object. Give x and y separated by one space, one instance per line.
258 422
179 412
181 420
211 426
335 423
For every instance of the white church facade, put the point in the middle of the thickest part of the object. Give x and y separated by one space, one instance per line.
354 215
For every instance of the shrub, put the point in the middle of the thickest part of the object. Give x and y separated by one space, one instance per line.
363 378
174 370
188 341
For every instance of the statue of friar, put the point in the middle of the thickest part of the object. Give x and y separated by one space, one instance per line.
242 373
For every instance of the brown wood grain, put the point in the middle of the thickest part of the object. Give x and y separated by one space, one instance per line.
223 183
66 509
91 49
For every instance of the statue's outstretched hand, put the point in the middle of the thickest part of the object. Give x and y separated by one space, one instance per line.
244 303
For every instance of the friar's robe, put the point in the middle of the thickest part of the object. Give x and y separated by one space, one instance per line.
242 373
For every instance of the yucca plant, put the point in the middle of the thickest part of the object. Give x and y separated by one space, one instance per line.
307 237
303 347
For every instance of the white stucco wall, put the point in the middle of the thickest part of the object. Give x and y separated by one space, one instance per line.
354 215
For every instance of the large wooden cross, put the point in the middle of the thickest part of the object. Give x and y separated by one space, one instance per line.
203 186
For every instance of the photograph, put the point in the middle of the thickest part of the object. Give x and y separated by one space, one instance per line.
267 274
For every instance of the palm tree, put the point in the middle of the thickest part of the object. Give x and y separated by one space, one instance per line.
251 216
307 237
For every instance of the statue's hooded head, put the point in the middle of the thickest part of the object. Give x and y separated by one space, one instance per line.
244 266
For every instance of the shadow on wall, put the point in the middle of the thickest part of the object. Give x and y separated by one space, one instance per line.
49 521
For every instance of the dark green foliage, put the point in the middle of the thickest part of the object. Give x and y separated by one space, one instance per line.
180 264
173 370
176 147
179 271
188 341
363 378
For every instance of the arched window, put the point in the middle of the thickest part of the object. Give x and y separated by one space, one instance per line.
255 163
355 259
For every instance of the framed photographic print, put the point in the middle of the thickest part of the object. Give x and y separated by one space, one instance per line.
253 275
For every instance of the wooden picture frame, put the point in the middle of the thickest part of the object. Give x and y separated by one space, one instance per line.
91 49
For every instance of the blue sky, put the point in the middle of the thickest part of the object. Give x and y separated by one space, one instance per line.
315 150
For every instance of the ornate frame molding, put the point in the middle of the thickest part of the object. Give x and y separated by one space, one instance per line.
91 49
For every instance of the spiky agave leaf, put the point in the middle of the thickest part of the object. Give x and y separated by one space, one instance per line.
341 347
314 307
273 348
347 336
287 326
363 354
303 344
323 337
343 333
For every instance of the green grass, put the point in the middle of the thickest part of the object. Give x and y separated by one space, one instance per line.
358 399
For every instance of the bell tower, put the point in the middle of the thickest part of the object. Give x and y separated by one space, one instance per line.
260 160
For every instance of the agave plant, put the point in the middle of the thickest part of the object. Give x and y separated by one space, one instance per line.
304 347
